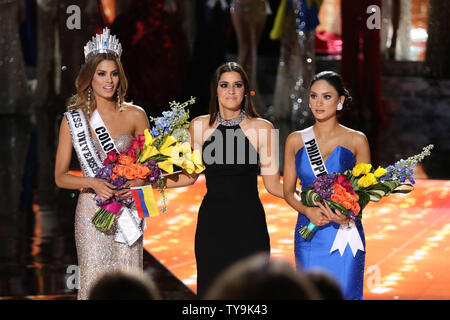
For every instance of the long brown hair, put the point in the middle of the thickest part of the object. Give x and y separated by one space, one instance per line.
247 102
84 79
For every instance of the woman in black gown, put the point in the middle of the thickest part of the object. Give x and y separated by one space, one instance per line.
236 146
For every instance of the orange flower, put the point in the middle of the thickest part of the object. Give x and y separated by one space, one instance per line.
337 198
124 171
113 176
339 189
356 208
347 204
141 171
348 200
133 171
125 160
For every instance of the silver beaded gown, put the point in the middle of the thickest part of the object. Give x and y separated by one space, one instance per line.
97 252
296 69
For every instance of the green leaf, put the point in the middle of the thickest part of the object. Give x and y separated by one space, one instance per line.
138 152
401 191
310 197
338 206
364 198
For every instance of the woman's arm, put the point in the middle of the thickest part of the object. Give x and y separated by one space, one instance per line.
183 179
314 214
290 174
140 120
68 181
361 146
269 152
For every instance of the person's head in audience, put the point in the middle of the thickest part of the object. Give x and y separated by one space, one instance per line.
328 287
260 278
124 285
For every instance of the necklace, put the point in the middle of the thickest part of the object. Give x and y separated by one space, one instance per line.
231 122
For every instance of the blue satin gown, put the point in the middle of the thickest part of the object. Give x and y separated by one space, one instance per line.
315 253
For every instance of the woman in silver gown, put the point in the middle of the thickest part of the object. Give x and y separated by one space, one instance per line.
296 66
101 87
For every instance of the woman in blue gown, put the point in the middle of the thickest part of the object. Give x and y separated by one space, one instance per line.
341 148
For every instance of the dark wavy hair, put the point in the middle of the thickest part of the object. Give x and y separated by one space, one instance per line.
247 102
335 80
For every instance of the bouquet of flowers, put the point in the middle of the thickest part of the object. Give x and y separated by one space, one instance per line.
152 156
117 171
167 145
351 191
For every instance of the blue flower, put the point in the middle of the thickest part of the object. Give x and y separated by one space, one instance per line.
387 176
167 114
154 132
162 123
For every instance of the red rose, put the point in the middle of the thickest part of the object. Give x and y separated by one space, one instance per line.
132 152
345 183
111 157
141 141
134 144
340 178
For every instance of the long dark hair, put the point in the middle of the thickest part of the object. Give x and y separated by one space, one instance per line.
247 102
334 79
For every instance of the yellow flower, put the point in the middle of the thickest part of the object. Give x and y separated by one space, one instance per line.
182 157
186 151
148 150
188 166
196 158
166 165
380 172
180 153
167 146
368 180
148 138
361 168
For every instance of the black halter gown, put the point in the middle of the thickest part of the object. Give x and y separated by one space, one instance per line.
231 221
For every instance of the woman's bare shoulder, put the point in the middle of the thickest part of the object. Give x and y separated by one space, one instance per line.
202 118
133 110
260 123
355 137
294 140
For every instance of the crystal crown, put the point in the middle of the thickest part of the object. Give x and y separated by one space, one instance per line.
103 43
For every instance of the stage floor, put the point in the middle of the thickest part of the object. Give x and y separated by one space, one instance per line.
407 239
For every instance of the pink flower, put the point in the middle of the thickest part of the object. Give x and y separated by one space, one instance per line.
137 143
141 140
111 157
345 183
131 152
132 148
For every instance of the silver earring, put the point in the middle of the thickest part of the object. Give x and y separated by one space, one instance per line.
339 106
310 105
89 102
118 100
